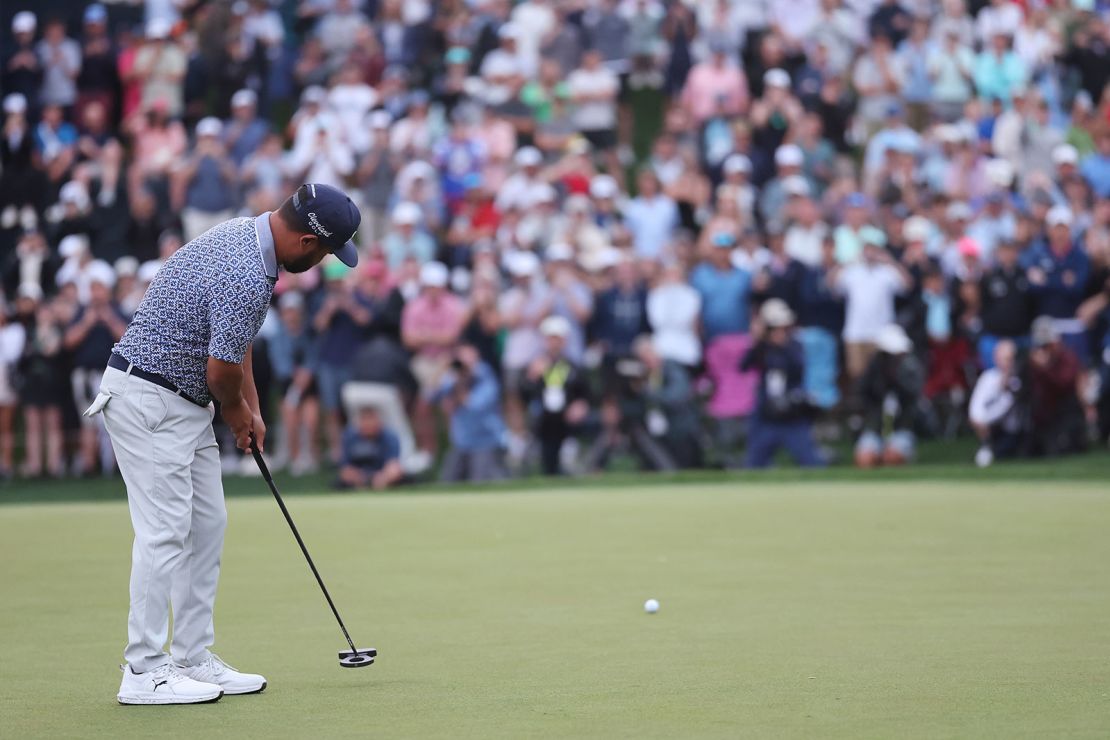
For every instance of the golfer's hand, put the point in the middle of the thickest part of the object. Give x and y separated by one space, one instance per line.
240 419
259 432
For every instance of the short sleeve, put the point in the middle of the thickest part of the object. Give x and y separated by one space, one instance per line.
235 312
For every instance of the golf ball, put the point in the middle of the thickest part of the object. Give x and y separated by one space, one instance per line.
651 606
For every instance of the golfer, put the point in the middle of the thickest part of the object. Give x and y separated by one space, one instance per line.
190 343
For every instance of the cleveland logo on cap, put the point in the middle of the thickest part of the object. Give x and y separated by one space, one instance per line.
316 225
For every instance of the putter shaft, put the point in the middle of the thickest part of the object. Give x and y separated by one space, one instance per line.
289 519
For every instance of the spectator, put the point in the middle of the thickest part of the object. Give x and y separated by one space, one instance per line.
715 86
12 339
23 71
651 217
404 240
431 325
340 325
205 183
60 58
469 394
292 354
1058 270
557 388
1059 426
90 337
782 415
997 410
43 386
371 454
159 68
593 89
245 132
1006 304
999 72
869 288
894 373
673 308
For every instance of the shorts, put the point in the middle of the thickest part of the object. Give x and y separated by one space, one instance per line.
330 380
429 372
601 140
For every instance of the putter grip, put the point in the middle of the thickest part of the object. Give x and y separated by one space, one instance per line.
259 461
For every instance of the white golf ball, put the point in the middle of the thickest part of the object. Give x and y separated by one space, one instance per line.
651 606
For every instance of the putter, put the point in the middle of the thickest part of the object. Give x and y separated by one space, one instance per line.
355 657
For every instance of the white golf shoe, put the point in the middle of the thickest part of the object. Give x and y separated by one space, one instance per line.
165 685
214 670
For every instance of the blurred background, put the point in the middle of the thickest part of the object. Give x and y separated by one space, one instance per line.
595 233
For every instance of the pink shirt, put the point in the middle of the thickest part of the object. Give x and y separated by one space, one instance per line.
442 317
706 83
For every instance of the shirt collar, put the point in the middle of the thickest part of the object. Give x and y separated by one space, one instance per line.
266 245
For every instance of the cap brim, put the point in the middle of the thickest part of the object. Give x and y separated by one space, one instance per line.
348 254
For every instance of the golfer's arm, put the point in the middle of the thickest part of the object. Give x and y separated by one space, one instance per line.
250 392
225 380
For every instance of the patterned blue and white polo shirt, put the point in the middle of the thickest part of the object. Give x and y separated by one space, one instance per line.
209 299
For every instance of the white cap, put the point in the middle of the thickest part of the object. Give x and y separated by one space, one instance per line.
148 270
600 259
559 251
1065 154
209 126
958 211
948 133
379 119
24 22
1058 216
73 245
789 155
522 264
101 272
555 326
776 314
892 339
577 203
737 163
159 28
1000 173
509 31
434 275
543 194
126 266
291 299
776 78
314 94
916 229
15 103
528 156
75 193
406 212
795 185
246 96
29 290
603 186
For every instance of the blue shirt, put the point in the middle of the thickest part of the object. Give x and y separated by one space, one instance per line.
1096 171
652 223
369 454
208 300
724 299
1065 279
476 423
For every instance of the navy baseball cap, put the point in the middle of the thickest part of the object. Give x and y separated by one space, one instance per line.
328 213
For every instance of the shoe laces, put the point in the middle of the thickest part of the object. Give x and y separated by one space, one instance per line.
167 672
217 665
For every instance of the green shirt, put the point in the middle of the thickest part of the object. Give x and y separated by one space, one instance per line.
536 97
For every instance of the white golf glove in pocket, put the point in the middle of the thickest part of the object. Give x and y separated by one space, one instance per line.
98 404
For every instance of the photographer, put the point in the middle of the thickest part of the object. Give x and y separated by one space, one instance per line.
998 408
555 385
782 414
470 397
891 385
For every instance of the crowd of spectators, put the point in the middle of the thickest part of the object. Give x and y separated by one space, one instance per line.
689 233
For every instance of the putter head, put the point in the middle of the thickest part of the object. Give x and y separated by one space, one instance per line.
357 658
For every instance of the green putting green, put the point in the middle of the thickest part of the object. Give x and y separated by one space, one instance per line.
787 610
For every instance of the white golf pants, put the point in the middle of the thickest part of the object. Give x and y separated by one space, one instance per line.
170 462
